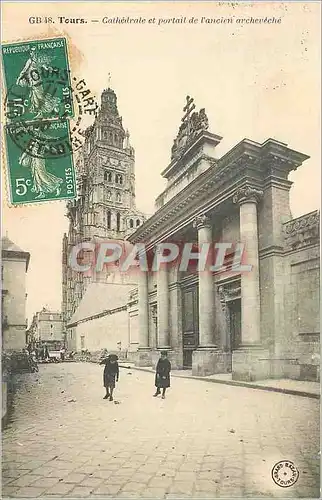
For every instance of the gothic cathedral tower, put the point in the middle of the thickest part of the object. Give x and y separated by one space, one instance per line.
105 205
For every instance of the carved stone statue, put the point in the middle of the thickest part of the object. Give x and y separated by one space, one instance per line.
192 124
204 123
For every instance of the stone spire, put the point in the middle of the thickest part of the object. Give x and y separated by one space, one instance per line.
109 121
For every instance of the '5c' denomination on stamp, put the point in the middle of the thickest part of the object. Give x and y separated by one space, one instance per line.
37 80
43 168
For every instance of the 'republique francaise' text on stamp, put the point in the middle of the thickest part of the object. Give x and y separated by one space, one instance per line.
37 80
43 170
38 109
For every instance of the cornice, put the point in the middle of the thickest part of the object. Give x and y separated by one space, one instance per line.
278 182
97 316
271 251
205 182
14 255
202 138
311 246
231 168
189 280
197 159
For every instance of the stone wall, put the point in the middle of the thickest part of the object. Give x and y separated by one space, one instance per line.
12 363
109 332
14 304
302 317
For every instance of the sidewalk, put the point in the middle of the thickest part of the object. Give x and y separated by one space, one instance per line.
286 386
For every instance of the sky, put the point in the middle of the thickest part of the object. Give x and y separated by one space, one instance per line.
255 81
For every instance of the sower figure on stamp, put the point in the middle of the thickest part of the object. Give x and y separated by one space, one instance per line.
162 376
42 102
43 182
111 374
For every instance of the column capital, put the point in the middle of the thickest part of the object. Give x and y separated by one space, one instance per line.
247 194
201 221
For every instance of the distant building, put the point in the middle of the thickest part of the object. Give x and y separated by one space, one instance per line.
46 325
14 267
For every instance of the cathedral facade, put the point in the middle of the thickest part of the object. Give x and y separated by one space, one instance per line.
105 206
259 324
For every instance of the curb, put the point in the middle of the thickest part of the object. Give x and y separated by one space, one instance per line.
291 392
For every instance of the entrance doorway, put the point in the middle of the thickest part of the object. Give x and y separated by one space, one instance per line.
190 323
234 340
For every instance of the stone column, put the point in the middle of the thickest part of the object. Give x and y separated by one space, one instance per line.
163 299
144 356
251 360
206 288
247 198
143 309
207 359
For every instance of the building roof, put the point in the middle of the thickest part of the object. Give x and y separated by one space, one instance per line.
99 300
10 249
215 186
49 311
9 245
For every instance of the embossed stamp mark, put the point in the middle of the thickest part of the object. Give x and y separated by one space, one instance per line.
285 474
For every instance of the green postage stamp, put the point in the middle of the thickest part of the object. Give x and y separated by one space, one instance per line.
38 109
37 80
40 161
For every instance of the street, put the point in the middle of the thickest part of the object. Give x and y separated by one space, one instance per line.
205 440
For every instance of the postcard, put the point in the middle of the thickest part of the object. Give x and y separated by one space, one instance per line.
161 249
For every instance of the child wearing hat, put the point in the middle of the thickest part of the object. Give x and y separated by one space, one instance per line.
162 376
111 374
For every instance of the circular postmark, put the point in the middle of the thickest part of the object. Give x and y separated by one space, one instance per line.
45 117
44 138
285 474
40 93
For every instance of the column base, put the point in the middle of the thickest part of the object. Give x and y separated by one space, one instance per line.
144 357
209 361
173 355
251 363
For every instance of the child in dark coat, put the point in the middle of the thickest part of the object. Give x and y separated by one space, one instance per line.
111 374
162 376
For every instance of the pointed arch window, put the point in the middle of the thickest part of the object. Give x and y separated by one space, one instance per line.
131 223
118 222
107 176
119 179
109 219
138 222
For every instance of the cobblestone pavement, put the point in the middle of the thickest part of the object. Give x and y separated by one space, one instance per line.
203 441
